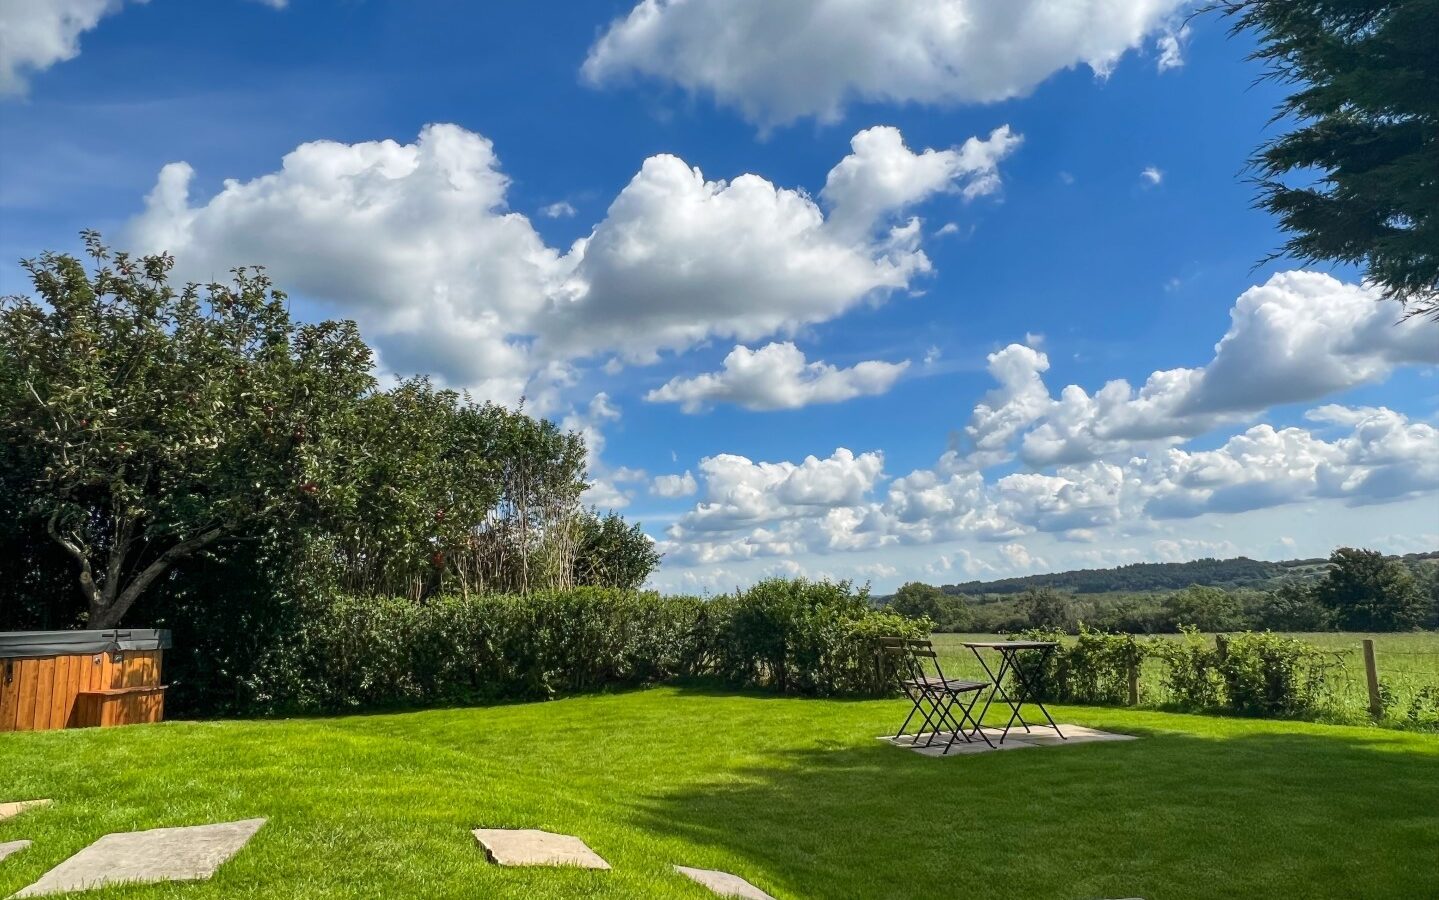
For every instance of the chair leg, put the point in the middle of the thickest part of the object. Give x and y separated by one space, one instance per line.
965 713
912 710
949 699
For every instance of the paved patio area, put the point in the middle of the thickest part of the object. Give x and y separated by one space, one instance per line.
1018 739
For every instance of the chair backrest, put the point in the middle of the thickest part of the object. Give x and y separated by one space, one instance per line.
908 655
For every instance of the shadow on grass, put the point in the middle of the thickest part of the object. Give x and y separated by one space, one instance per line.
1281 815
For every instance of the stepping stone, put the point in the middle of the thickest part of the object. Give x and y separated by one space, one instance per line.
161 854
528 847
12 848
723 883
11 810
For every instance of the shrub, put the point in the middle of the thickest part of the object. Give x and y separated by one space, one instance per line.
1422 710
1267 674
1093 668
1191 672
805 637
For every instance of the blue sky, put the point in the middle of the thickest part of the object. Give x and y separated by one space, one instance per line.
878 295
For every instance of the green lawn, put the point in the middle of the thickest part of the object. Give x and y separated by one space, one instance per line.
795 795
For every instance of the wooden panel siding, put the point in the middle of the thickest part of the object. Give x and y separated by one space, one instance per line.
77 691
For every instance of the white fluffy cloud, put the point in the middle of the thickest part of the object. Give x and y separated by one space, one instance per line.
674 485
1383 457
416 241
777 376
680 259
883 175
1298 337
776 62
753 510
37 34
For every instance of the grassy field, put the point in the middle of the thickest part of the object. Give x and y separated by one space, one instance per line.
795 795
1407 662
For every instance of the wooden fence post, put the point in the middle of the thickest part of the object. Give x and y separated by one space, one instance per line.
1221 647
1371 674
1134 685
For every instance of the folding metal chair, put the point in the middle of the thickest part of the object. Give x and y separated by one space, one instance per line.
933 697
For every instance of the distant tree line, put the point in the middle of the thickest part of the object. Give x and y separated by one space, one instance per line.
1359 590
1237 572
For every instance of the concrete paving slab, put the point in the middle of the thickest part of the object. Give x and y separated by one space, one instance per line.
11 810
161 854
529 847
11 848
723 883
1073 734
1017 740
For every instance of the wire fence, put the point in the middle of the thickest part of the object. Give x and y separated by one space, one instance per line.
1401 692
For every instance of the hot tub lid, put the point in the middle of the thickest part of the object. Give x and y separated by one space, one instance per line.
67 643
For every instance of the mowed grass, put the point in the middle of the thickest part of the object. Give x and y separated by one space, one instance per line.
1407 662
795 795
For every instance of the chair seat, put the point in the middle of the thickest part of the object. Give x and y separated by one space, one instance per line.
948 684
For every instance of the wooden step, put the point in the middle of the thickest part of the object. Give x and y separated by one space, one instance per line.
119 706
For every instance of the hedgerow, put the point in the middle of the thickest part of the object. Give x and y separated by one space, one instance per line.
790 636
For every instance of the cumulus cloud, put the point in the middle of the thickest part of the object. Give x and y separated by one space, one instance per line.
1019 559
883 175
752 510
414 240
1302 335
674 485
1151 176
559 210
37 34
1298 337
777 62
1384 457
1019 401
417 242
777 376
680 259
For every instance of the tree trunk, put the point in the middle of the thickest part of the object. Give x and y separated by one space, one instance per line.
108 614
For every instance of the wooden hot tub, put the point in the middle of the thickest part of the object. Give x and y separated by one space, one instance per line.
80 679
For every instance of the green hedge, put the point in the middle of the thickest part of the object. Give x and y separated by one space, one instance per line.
1259 674
1093 668
792 636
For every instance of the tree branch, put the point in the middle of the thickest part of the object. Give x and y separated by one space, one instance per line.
111 615
87 576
